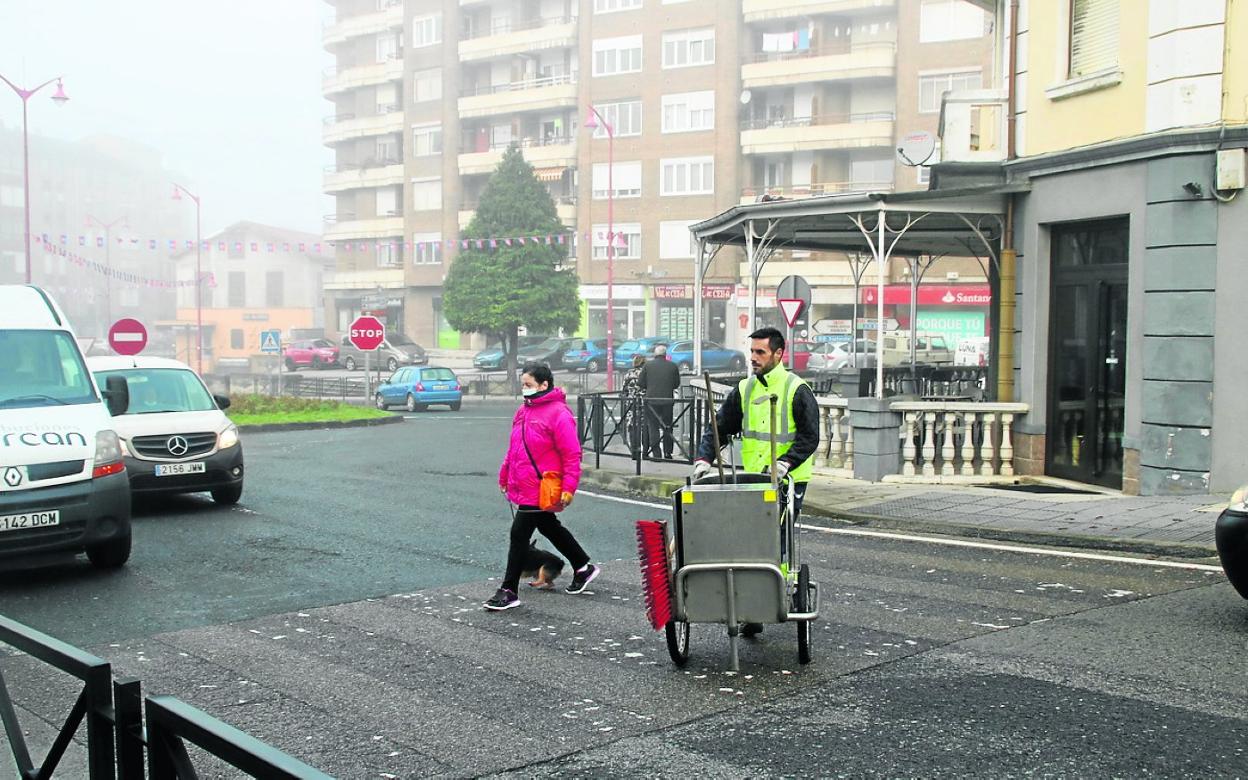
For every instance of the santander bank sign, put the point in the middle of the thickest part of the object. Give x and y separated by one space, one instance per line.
933 294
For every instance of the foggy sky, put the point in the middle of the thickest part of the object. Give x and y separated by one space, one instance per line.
228 91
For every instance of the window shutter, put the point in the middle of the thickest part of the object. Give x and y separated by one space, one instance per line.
1093 36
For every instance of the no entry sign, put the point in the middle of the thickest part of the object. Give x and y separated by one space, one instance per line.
127 337
367 333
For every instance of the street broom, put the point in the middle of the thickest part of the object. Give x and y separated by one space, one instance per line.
656 572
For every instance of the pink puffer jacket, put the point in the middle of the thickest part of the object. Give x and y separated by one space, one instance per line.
547 425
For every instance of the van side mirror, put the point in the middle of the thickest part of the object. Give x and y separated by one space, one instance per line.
223 402
116 395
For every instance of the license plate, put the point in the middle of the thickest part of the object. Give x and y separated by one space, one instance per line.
177 469
30 520
441 387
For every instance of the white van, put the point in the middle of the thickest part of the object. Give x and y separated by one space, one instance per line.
63 485
174 435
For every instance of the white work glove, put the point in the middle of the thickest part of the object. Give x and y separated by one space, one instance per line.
782 469
700 469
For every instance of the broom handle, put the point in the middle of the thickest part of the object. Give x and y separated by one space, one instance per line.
710 400
775 481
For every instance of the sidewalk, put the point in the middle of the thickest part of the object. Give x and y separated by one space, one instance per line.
1155 525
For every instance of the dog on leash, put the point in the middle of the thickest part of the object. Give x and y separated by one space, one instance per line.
544 567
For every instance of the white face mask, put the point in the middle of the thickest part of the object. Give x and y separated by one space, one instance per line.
529 392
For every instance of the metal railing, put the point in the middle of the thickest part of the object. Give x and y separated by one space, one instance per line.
820 120
469 146
816 189
634 427
514 86
509 26
819 51
116 739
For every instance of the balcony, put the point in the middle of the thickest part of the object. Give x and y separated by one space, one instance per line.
369 279
345 227
379 173
833 131
776 69
763 10
564 207
555 152
506 39
539 94
972 125
813 190
390 17
344 127
337 80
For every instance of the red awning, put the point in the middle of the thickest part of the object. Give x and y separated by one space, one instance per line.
934 294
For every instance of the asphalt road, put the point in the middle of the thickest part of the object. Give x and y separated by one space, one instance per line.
335 614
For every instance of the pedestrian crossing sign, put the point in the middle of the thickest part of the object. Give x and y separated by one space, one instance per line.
270 341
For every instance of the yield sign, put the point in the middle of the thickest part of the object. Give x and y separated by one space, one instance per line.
790 308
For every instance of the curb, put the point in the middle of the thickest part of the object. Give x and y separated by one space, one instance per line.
661 487
310 426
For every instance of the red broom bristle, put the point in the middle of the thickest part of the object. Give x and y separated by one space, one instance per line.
656 582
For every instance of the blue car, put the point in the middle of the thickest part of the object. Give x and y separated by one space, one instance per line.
714 357
416 388
586 355
644 347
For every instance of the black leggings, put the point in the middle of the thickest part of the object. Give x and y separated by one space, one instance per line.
528 519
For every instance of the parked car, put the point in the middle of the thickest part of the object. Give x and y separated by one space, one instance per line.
397 350
313 353
175 437
492 358
644 346
833 356
928 348
802 351
714 357
550 352
586 355
418 388
972 352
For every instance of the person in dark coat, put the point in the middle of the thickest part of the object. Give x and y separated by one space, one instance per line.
659 381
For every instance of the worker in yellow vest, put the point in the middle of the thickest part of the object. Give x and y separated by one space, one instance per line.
797 418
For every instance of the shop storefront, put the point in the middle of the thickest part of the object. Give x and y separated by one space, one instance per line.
674 310
628 307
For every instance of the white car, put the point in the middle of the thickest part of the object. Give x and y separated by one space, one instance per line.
175 436
835 356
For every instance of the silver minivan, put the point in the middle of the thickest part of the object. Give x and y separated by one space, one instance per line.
397 350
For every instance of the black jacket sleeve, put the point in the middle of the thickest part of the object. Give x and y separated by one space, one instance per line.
729 420
806 420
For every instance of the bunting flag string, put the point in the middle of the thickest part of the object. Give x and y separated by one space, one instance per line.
208 279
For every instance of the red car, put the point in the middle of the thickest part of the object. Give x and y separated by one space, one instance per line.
801 354
313 353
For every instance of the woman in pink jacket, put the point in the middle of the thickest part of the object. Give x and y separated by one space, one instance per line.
543 438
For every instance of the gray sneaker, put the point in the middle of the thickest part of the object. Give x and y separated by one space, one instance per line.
502 599
582 578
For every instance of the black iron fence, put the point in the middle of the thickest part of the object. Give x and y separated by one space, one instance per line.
114 714
642 429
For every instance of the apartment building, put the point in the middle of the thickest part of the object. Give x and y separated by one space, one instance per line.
711 103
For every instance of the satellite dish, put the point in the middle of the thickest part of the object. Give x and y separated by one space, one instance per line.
915 149
745 97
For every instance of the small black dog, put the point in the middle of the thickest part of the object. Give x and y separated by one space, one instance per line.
543 566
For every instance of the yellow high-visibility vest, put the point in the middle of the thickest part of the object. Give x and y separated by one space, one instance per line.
756 421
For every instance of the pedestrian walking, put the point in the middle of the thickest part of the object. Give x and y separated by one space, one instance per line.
634 405
797 423
659 381
540 474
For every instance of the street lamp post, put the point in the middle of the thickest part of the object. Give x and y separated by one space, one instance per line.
25 94
108 263
593 122
178 190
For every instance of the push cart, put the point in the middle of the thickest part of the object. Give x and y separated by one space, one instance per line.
734 558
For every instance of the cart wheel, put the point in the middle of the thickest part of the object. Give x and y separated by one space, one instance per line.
678 642
803 605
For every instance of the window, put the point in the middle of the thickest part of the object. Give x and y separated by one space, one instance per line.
427 85
426 248
932 87
236 338
871 174
675 240
274 288
426 194
236 297
687 48
624 118
387 98
610 6
427 140
388 47
949 20
1093 36
426 30
617 55
687 176
387 202
688 112
625 179
632 240
389 254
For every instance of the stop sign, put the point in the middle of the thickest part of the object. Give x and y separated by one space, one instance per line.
127 336
367 333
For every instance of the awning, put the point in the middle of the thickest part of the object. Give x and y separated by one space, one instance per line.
549 174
